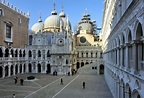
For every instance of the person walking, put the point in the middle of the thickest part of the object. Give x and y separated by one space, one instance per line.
61 81
21 81
15 79
83 85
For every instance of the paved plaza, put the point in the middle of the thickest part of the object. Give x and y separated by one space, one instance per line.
48 86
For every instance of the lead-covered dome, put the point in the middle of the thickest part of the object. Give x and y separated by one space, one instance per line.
52 22
37 27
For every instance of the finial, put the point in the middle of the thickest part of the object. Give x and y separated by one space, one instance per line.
86 11
54 5
62 7
40 20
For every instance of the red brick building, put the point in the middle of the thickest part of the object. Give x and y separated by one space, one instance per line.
13 26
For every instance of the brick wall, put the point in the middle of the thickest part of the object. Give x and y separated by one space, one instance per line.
20 30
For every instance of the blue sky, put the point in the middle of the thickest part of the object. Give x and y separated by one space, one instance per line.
73 8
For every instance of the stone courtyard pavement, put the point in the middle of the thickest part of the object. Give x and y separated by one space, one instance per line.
48 86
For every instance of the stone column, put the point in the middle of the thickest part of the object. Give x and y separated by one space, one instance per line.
3 72
121 91
121 56
9 71
22 68
18 68
115 89
135 57
118 56
118 89
36 67
27 67
45 67
14 70
126 94
127 56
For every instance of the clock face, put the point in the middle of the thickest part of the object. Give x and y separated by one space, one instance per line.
82 39
60 42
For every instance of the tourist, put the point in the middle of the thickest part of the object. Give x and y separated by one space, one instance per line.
61 81
21 81
83 84
15 79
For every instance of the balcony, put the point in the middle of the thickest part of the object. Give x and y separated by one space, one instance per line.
6 59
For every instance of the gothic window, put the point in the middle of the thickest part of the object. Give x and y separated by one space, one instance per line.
48 54
20 53
24 53
16 53
39 53
30 54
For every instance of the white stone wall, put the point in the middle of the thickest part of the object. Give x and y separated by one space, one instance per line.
123 48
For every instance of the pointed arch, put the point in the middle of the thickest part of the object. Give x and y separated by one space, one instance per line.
29 53
39 53
136 94
6 52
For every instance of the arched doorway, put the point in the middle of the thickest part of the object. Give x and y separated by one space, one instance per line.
78 65
6 71
48 68
24 68
101 69
30 68
39 68
16 69
1 70
11 69
82 64
20 68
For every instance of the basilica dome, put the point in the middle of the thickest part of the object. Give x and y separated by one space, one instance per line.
65 20
62 14
52 22
37 27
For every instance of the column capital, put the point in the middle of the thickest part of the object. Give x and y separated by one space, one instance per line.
121 46
135 42
142 38
127 44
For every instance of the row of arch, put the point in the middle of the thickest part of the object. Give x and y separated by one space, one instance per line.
89 54
38 52
127 49
10 70
123 85
7 52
